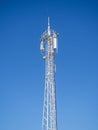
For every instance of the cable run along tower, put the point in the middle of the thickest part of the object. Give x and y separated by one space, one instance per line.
48 48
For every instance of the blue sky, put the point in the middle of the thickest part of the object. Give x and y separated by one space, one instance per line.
22 67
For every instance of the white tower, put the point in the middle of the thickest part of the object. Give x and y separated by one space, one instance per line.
48 47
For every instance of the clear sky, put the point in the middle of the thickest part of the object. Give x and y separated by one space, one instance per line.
22 66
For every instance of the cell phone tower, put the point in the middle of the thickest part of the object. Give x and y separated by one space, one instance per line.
48 47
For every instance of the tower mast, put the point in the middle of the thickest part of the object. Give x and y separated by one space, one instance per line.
48 47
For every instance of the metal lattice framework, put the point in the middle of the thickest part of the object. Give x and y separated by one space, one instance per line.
48 48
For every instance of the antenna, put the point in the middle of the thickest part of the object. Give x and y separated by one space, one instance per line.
48 22
49 26
48 47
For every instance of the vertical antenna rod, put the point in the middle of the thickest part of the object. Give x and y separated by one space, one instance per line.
48 47
48 26
48 23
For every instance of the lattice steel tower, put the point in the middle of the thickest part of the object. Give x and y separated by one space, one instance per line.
48 47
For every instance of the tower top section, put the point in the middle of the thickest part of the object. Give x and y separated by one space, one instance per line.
48 33
48 37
